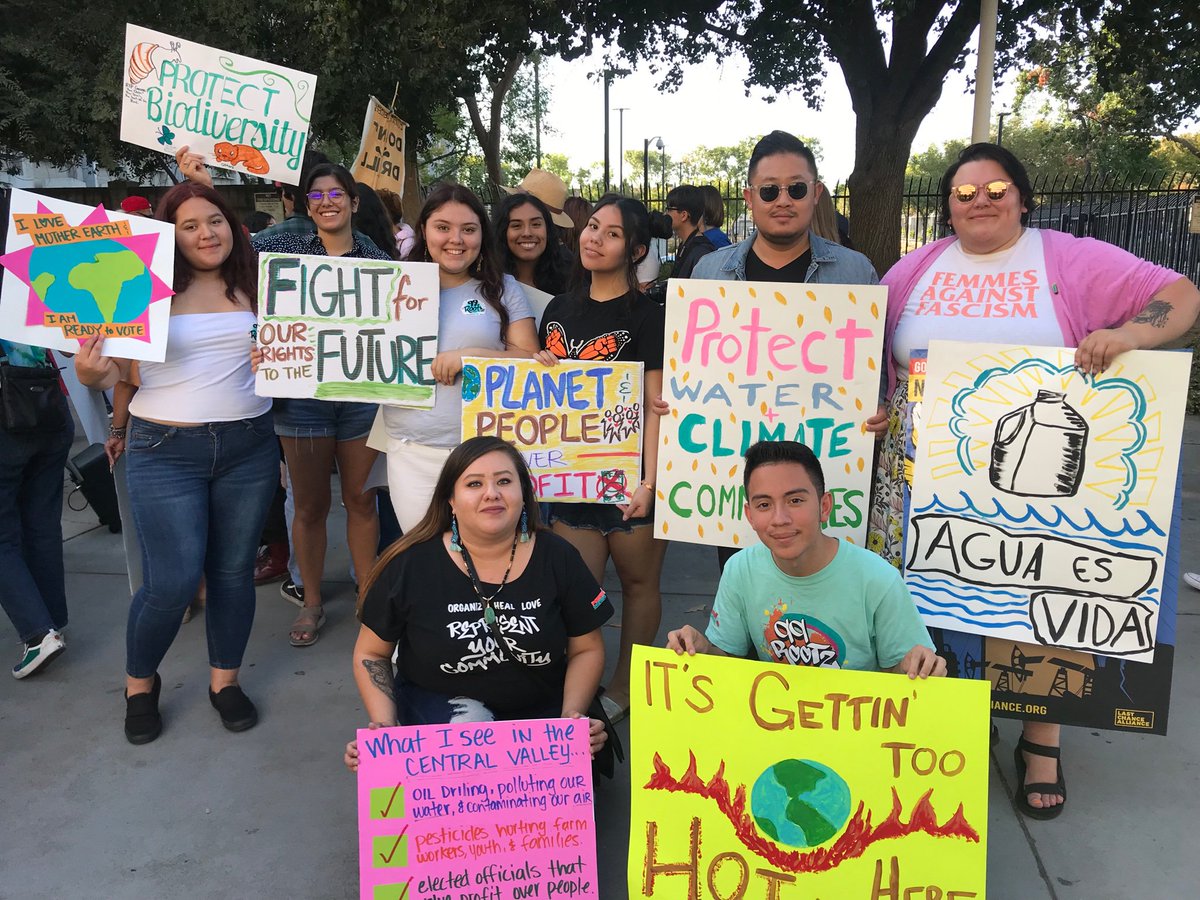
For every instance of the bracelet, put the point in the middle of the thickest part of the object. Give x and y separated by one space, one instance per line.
114 431
648 486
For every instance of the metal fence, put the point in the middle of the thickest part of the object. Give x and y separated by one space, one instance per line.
1148 215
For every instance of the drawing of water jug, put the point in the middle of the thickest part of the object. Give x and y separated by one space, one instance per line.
1038 449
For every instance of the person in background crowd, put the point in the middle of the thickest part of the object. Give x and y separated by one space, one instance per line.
372 219
685 206
1082 293
528 243
606 318
32 456
202 462
548 188
824 223
502 581
714 217
481 312
136 205
259 220
579 210
403 232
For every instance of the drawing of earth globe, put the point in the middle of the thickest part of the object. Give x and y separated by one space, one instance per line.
472 383
800 803
99 281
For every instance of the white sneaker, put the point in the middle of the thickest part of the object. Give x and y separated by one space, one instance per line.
1192 579
39 654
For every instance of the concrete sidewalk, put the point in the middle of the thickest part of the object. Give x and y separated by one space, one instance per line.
202 813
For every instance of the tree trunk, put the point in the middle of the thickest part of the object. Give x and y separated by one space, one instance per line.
892 91
489 137
876 196
411 201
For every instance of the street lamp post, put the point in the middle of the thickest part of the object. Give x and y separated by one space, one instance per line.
1000 128
621 147
658 143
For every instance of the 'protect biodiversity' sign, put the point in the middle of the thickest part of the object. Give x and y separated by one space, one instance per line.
237 112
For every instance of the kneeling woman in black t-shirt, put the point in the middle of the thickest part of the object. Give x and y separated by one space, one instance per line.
494 617
607 319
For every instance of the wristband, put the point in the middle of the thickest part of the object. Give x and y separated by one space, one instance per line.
114 431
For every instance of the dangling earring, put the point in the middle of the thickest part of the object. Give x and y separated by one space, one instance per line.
455 540
524 539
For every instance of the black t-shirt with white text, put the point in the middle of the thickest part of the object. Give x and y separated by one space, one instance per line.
427 605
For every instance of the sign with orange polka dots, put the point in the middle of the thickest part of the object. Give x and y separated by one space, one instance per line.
749 361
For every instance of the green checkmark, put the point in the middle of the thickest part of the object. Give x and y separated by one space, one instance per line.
387 803
389 851
392 891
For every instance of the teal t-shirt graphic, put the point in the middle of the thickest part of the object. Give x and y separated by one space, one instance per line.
855 613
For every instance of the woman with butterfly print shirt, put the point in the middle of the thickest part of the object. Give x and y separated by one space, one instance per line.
606 319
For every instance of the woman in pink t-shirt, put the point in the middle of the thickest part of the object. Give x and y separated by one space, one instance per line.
996 280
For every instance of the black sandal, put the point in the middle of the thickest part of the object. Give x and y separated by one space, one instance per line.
1039 787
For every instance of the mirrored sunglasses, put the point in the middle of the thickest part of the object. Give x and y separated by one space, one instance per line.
966 193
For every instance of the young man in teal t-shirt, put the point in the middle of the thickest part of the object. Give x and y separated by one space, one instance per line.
802 597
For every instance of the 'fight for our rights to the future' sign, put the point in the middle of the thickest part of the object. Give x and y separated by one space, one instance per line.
337 328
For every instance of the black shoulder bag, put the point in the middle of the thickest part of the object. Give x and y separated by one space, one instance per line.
30 399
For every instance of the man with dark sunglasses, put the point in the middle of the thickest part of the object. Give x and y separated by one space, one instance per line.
781 195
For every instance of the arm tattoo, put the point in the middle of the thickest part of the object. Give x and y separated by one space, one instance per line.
1155 314
380 672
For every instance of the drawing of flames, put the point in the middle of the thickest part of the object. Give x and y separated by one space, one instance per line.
859 833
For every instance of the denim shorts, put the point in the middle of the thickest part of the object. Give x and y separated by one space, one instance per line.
341 419
602 517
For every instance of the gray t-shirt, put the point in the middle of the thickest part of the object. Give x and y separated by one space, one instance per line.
465 319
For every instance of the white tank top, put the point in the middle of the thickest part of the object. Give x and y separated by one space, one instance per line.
206 375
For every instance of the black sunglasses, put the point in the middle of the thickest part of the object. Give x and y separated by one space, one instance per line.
769 193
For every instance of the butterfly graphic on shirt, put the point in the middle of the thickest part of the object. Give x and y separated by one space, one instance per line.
604 348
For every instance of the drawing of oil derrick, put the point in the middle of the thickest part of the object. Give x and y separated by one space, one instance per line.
1062 677
1017 671
1039 449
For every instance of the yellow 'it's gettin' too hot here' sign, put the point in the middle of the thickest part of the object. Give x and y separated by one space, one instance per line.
756 780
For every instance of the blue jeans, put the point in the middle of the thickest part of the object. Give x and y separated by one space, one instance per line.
32 586
199 496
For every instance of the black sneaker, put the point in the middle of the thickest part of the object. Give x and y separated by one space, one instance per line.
237 712
142 720
291 593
